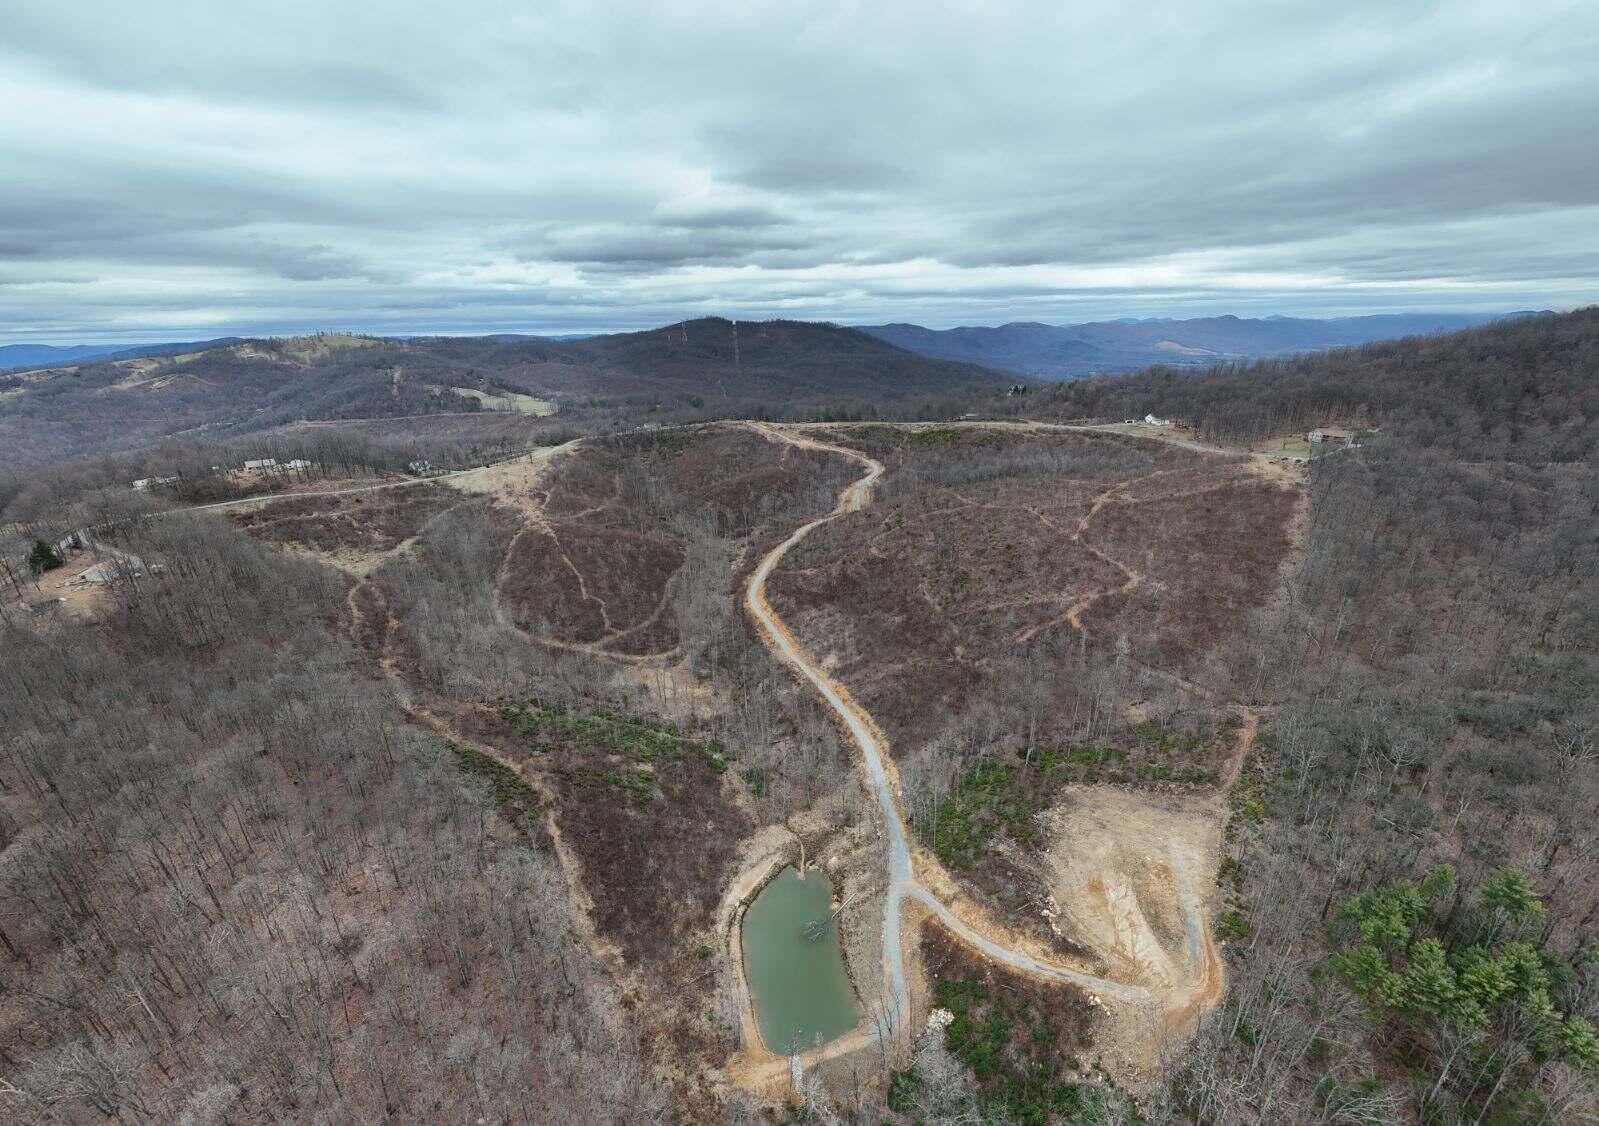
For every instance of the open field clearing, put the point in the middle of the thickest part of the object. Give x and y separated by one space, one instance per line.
990 543
350 528
66 589
507 401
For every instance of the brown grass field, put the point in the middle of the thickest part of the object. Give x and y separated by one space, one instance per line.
366 522
600 568
988 546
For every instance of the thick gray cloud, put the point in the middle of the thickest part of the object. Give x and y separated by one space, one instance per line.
187 167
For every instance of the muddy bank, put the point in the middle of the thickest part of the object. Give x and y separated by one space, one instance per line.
848 858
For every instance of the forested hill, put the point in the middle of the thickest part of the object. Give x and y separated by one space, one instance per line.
1072 351
712 358
1524 390
1433 676
703 367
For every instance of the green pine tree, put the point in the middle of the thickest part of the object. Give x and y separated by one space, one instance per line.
43 558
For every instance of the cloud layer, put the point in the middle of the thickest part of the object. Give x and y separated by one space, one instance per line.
185 167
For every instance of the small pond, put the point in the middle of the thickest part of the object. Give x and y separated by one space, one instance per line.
795 966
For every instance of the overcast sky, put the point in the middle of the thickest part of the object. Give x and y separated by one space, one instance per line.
179 168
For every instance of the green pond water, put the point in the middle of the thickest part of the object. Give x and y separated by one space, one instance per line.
795 966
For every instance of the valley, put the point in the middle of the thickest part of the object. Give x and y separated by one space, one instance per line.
589 576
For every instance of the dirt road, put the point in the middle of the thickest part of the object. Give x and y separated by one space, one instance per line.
902 882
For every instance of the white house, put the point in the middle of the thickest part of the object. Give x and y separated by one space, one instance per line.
262 463
1151 420
144 483
121 565
298 463
1334 434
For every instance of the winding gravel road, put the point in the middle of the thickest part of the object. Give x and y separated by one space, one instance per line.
902 883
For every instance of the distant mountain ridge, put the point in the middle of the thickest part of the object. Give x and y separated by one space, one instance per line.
700 368
17 357
1071 351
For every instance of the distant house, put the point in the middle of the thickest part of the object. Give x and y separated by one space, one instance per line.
298 463
262 463
419 466
1331 434
145 483
120 566
1151 420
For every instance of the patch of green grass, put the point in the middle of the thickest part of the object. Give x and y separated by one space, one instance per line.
873 432
936 436
902 1089
1229 871
1162 741
506 786
1247 800
988 800
672 442
1233 924
1095 756
997 797
638 785
637 737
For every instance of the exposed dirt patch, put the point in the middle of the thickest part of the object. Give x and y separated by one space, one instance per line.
511 483
1131 874
62 590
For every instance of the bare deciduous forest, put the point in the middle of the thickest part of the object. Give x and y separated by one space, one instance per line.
431 816
238 886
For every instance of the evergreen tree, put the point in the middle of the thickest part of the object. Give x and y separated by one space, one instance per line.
43 558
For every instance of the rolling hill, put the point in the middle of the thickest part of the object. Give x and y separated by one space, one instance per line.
1071 351
109 403
1520 389
17 357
